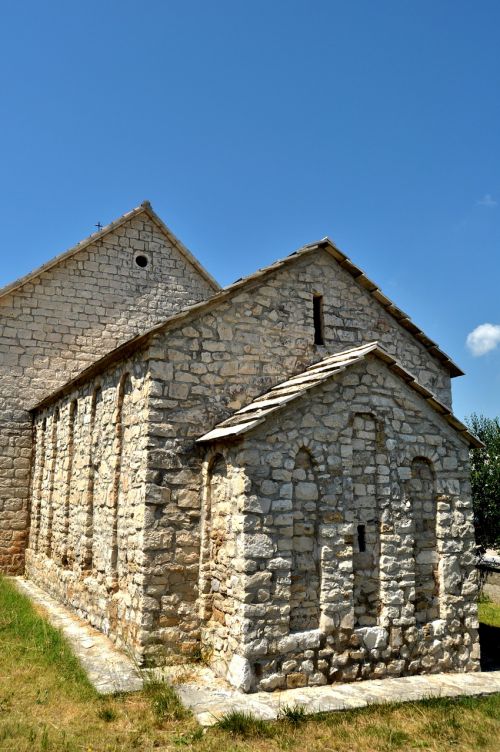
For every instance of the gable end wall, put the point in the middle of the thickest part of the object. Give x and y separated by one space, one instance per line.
364 430
63 320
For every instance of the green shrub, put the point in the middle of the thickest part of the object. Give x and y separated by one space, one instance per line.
238 723
293 714
485 479
107 714
164 700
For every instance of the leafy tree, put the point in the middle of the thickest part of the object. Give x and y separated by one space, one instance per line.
485 479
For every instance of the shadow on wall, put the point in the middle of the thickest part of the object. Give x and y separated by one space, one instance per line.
489 638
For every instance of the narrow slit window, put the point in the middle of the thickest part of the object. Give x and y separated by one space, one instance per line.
361 538
319 337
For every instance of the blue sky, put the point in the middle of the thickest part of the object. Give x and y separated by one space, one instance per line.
255 127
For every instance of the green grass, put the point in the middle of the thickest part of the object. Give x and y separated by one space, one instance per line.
47 705
164 701
107 714
489 612
28 639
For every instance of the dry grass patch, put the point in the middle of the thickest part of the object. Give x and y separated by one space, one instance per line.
47 705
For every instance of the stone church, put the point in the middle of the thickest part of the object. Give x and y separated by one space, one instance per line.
268 476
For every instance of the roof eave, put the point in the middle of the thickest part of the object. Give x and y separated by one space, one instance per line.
403 319
180 246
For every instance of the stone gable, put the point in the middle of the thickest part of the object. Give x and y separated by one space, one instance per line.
61 320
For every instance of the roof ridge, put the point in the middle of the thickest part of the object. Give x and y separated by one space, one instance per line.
180 245
260 408
352 352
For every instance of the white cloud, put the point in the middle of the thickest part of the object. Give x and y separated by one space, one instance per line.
483 338
487 200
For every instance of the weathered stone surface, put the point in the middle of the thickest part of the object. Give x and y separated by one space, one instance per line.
210 697
240 673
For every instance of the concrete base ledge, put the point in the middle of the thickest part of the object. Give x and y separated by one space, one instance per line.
209 702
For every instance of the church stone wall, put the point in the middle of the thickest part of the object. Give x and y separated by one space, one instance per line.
88 486
199 372
63 320
385 484
218 361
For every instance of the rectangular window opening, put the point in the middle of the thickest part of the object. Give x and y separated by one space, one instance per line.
319 337
361 538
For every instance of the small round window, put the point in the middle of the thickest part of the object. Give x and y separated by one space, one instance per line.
141 261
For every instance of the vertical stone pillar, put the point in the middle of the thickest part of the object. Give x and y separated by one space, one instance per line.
366 551
305 585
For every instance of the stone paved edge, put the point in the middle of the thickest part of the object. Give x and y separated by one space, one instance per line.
209 698
209 705
107 668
